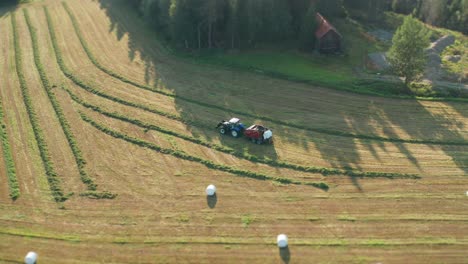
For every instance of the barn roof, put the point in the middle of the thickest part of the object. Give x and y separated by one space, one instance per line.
323 26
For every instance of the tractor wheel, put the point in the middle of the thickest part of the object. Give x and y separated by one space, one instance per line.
222 130
253 140
259 141
234 133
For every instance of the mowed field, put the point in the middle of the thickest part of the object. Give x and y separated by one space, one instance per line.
108 143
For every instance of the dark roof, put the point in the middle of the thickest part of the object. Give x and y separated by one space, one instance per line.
323 26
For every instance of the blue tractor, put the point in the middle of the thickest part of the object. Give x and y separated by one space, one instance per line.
233 126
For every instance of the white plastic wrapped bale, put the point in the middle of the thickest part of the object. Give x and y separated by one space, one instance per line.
282 241
268 134
210 190
30 258
466 193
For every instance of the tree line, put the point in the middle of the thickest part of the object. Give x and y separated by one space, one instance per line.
197 24
452 14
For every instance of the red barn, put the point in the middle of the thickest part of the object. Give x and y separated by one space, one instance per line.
328 39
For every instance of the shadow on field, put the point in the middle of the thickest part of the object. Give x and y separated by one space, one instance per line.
211 200
7 6
364 114
285 255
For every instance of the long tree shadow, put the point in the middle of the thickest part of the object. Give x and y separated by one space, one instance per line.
7 6
230 89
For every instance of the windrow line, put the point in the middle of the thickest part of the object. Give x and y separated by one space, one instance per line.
8 158
265 118
282 164
79 159
52 178
324 171
207 163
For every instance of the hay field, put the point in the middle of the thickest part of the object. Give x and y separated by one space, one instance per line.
110 140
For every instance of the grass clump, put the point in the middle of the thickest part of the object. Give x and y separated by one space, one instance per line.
183 219
8 159
98 195
247 220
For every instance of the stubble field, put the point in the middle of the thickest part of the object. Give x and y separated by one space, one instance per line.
108 142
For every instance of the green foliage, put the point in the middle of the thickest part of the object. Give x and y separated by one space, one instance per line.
207 163
52 178
8 159
451 14
308 28
404 6
422 89
407 52
331 8
80 161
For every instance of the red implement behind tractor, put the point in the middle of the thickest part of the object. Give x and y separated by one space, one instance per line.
259 134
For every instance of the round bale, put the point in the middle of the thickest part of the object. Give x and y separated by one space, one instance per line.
282 241
210 190
30 258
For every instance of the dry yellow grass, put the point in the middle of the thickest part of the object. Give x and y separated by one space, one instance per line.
161 214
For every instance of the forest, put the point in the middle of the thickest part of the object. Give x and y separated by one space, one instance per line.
197 24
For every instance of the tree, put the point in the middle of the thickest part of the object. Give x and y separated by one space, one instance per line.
407 52
331 8
308 27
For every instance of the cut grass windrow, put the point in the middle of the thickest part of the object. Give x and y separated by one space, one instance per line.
87 87
275 121
8 159
52 178
282 164
79 159
168 240
206 163
57 108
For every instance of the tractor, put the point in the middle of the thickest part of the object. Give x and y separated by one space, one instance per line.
233 126
255 133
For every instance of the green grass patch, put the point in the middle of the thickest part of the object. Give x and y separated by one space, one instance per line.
290 64
52 177
8 158
247 220
183 219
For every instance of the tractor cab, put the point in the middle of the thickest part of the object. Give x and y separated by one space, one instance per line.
233 126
